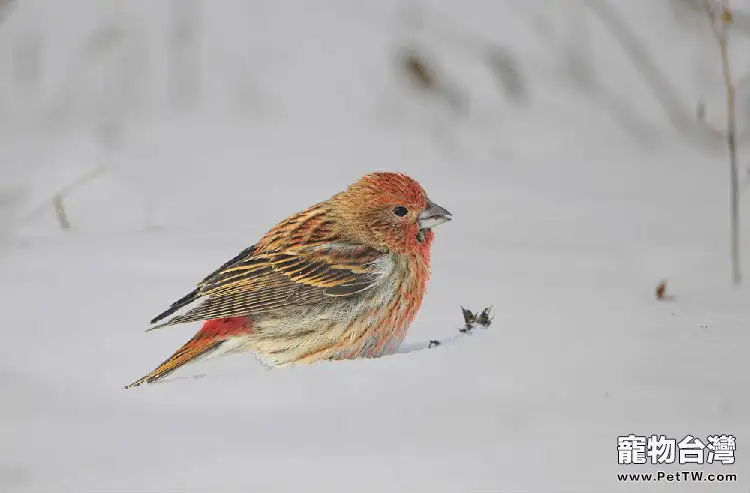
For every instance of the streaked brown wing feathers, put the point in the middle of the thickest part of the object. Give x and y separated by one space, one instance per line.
248 303
268 281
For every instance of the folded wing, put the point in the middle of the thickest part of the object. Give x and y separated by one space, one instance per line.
255 282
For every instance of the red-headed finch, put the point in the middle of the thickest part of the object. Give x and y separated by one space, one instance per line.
342 279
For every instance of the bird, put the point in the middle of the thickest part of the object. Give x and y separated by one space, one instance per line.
342 279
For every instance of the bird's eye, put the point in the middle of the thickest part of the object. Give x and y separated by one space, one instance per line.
400 211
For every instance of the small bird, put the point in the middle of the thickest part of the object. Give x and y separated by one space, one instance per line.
342 279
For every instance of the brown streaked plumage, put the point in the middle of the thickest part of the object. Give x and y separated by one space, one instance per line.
342 279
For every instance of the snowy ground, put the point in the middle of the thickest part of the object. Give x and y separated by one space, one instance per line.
563 221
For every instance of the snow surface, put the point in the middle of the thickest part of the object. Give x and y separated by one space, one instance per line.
568 210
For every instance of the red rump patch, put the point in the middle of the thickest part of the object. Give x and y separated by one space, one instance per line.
222 328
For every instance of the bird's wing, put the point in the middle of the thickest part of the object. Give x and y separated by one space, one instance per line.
195 294
256 282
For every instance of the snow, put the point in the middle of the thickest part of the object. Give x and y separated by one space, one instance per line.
567 214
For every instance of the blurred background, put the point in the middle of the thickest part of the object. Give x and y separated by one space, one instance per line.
580 144
152 97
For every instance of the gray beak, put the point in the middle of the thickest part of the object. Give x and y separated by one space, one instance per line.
433 216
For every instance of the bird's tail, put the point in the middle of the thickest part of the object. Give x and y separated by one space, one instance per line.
209 339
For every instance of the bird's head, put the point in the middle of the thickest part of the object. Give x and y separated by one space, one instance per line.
390 211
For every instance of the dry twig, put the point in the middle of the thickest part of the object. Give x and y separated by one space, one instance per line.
57 202
720 25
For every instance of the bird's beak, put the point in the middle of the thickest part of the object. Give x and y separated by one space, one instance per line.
433 216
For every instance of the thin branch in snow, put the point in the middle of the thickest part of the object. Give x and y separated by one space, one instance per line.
740 20
649 69
57 201
720 17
